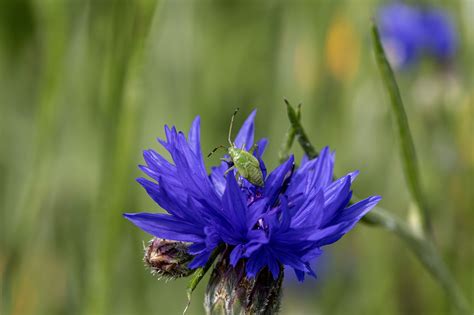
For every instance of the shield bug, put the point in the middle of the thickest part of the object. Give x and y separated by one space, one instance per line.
243 161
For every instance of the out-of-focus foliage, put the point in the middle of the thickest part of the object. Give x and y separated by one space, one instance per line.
86 85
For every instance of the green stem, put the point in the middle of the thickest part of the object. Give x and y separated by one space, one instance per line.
422 247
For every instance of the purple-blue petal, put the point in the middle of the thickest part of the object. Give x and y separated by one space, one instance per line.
245 135
199 260
166 226
276 180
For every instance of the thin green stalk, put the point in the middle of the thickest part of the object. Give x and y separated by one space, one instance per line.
422 247
407 148
300 133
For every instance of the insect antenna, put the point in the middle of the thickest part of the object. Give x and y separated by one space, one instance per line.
230 128
215 149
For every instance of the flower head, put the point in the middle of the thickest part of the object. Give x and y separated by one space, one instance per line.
167 259
285 222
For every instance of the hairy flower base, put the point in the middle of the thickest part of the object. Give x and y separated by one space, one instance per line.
230 291
167 259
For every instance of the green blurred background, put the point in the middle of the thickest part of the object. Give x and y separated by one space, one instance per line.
85 86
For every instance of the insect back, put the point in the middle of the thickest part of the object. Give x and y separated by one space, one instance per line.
246 164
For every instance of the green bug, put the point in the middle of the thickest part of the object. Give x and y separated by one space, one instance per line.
244 162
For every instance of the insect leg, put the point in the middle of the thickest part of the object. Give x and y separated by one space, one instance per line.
215 149
229 169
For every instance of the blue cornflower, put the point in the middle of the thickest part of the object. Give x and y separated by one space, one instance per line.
410 32
285 222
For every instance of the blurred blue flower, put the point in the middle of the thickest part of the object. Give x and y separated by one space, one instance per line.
401 31
285 222
409 32
440 38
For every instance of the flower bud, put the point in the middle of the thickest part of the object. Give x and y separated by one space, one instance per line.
167 259
230 291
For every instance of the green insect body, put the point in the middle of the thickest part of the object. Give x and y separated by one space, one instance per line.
247 165
244 162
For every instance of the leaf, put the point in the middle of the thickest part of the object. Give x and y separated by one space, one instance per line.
407 148
289 138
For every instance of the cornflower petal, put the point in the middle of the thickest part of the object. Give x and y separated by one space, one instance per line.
275 182
244 138
166 226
